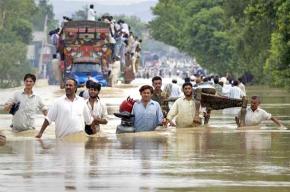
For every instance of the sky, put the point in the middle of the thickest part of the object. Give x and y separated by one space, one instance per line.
139 8
111 2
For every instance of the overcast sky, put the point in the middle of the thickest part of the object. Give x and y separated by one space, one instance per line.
110 2
139 8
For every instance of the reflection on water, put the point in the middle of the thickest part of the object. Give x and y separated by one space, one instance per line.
214 158
189 159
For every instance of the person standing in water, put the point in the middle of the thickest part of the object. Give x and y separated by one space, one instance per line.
28 105
255 115
70 113
148 114
97 108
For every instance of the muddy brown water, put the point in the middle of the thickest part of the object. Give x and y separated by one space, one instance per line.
218 157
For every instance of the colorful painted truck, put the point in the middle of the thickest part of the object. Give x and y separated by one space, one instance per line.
85 51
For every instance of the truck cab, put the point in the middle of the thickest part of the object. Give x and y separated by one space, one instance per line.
85 51
84 71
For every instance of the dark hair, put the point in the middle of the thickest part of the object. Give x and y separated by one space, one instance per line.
95 85
255 97
216 80
91 6
72 79
144 87
174 81
88 83
29 75
186 84
241 79
235 83
156 78
187 80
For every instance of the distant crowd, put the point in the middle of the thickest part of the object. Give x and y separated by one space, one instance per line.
124 44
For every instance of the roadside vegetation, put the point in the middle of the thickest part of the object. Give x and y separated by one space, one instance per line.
18 19
230 35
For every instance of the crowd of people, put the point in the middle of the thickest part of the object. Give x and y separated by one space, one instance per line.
124 45
73 113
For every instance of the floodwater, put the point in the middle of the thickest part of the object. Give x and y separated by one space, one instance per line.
214 158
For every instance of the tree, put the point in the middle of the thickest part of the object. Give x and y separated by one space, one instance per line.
229 35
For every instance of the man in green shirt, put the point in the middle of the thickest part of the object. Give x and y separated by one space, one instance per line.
159 95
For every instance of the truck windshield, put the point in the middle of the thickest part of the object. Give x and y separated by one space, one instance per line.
84 67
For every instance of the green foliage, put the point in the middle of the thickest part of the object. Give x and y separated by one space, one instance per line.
80 14
229 35
13 64
17 20
23 29
44 9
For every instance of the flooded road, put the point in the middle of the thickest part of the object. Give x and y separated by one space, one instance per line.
214 158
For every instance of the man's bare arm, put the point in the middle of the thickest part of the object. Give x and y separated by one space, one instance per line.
43 127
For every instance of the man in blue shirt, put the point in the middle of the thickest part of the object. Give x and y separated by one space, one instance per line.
148 114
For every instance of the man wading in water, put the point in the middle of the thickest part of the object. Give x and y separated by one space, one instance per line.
70 113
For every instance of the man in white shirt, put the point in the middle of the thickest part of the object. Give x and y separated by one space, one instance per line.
175 89
226 86
91 13
28 105
241 85
183 109
235 92
70 113
255 115
97 108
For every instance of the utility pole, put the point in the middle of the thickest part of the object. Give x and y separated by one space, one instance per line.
44 51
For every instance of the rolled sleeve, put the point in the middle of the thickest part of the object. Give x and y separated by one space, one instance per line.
52 114
267 115
104 111
13 99
42 106
87 115
159 114
173 111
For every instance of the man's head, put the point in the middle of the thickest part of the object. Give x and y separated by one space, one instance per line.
240 79
187 79
198 80
255 102
70 87
94 90
216 80
91 6
187 89
235 83
157 83
174 81
29 80
88 83
146 92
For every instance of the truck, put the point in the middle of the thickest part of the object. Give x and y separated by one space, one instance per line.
85 52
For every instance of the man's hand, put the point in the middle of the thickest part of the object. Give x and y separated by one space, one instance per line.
165 122
38 135
196 119
282 127
97 120
238 122
7 107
